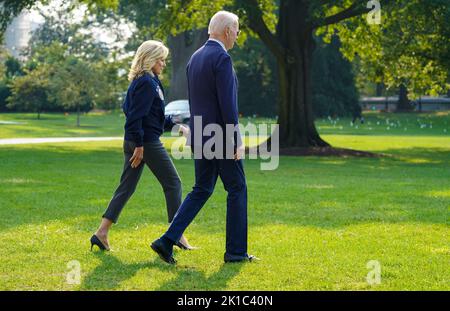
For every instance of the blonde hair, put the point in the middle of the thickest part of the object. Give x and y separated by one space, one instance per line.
146 57
222 20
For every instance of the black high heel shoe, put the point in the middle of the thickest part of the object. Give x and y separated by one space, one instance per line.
96 241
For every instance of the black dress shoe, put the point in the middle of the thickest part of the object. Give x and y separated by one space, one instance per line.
236 258
164 250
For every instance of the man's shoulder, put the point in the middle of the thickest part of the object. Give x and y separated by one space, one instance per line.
210 50
219 52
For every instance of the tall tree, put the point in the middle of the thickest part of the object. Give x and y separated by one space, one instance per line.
182 46
74 85
256 72
409 51
287 27
145 15
11 8
30 92
334 90
59 27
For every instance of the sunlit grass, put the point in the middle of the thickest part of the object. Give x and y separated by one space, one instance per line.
61 125
315 222
111 124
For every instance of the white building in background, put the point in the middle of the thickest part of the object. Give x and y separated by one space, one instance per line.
19 32
389 103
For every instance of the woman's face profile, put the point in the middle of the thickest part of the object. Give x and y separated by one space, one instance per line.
159 66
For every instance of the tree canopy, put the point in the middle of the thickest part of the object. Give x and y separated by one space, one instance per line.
408 47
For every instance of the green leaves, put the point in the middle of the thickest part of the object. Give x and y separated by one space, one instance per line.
11 8
179 16
410 46
30 92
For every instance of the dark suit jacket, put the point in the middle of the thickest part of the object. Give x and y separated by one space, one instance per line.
144 110
212 86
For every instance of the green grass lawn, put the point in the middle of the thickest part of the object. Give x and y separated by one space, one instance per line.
315 222
111 124
59 125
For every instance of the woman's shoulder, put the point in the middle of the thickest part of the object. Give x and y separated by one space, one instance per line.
144 81
145 78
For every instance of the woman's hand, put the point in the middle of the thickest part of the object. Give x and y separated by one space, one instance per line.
137 157
184 130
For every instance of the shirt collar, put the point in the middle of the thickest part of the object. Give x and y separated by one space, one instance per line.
220 42
156 78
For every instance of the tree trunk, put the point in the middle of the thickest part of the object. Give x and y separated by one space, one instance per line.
182 46
78 115
296 119
379 89
403 103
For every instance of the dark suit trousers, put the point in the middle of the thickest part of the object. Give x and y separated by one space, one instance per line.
158 161
231 173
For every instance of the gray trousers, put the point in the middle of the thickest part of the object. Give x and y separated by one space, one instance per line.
158 161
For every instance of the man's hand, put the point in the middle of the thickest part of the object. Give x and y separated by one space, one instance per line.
184 130
137 157
240 152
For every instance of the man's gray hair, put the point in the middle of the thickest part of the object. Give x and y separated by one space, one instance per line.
220 21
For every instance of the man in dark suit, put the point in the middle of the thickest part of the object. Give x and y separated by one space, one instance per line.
212 86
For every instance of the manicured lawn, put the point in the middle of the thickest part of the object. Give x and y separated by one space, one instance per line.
314 222
111 124
60 125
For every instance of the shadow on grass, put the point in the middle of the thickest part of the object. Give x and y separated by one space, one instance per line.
189 279
111 272
381 132
429 155
38 185
395 158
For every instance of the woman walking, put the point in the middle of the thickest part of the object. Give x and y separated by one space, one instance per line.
145 123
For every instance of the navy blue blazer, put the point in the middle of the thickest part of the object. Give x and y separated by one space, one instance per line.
212 87
144 110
